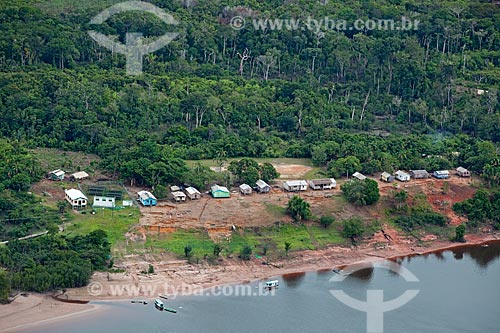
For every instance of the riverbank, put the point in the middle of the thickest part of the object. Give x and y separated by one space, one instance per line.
174 278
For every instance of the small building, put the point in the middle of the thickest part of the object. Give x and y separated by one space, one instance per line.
359 176
323 184
419 174
463 172
441 174
174 188
105 202
127 203
386 177
262 186
81 175
76 198
219 191
245 189
146 198
402 176
193 193
295 185
178 196
56 175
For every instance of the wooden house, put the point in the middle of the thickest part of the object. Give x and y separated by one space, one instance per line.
81 175
463 172
262 187
178 196
218 191
323 184
146 198
295 185
402 176
441 174
193 193
245 189
56 175
387 177
419 174
359 176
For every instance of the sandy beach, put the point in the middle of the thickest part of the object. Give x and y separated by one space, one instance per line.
174 278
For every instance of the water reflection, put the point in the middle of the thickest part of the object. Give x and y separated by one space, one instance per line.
364 273
293 280
482 255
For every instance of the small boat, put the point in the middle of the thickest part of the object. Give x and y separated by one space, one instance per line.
272 284
336 271
140 301
159 305
170 310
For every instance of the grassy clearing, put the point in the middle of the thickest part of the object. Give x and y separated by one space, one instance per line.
115 222
52 159
199 241
326 236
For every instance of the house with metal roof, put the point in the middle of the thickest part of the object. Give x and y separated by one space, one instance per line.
76 198
295 185
146 198
104 202
178 196
245 189
262 186
218 191
56 175
419 174
323 184
441 174
81 175
386 177
402 176
463 172
193 193
359 176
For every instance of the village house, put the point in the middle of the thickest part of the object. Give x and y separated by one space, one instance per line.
441 174
295 185
56 175
104 202
245 189
402 176
218 191
359 176
81 175
463 172
323 184
76 198
419 174
178 196
262 186
193 193
146 198
386 177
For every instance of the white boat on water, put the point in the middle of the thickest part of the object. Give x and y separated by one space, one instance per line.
272 284
159 304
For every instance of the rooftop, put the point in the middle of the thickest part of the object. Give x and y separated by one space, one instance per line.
75 194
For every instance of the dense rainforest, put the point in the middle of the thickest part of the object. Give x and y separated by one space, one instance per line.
387 98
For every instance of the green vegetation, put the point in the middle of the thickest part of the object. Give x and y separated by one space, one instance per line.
298 208
249 171
420 218
246 253
484 207
176 242
114 222
353 228
459 233
53 261
361 192
326 221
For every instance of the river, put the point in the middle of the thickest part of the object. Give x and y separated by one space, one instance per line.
459 291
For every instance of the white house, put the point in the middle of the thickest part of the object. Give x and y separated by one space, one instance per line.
323 184
179 196
262 186
402 176
295 185
76 198
104 202
245 189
